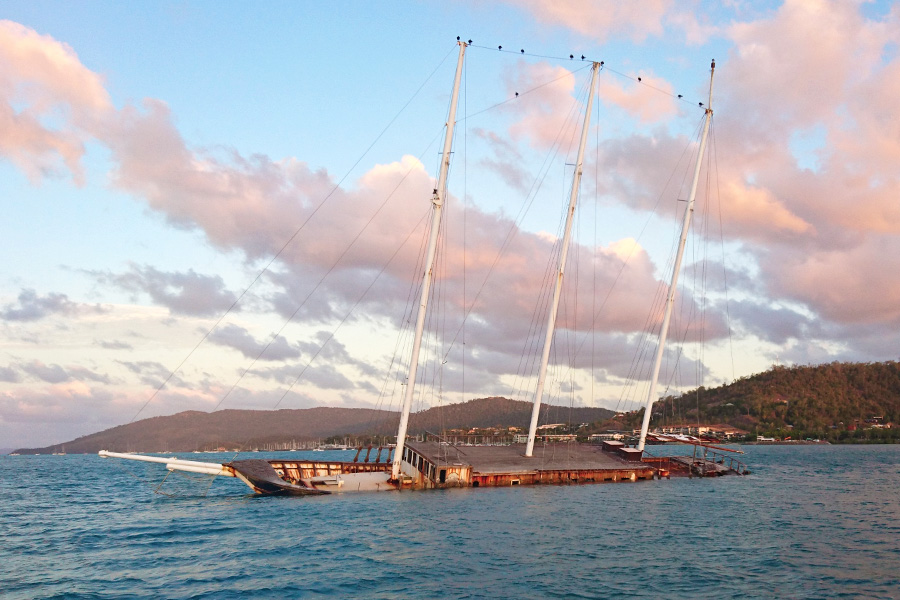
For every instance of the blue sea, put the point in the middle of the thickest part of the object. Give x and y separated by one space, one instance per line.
810 522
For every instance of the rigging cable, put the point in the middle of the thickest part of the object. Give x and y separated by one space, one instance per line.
644 344
287 243
635 78
539 313
322 280
722 242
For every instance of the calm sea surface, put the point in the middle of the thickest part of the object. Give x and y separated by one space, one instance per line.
810 522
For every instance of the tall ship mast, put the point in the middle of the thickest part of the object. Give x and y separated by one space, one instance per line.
437 203
564 251
670 298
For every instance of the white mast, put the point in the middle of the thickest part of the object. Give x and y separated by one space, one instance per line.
564 250
670 300
437 202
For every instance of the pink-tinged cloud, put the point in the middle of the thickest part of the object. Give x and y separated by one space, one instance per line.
601 20
777 84
650 100
636 171
64 102
802 225
545 104
846 285
838 220
57 374
756 213
255 204
796 66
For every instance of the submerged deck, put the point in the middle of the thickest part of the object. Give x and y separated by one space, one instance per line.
444 465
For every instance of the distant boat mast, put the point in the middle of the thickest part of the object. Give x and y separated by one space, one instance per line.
437 202
670 300
564 250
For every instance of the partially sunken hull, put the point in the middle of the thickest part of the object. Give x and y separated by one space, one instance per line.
328 476
434 465
438 465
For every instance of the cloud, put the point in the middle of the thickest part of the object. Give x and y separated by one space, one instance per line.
332 350
850 297
650 101
62 103
83 374
507 161
234 336
326 377
48 373
546 105
113 345
9 375
152 373
602 20
826 237
33 307
56 374
39 416
253 204
187 293
777 325
796 226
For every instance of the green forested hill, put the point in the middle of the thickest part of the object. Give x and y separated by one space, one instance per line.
840 401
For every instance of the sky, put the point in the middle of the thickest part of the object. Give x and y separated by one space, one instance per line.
219 206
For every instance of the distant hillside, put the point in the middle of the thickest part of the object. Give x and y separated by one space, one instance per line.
499 412
838 401
193 430
834 401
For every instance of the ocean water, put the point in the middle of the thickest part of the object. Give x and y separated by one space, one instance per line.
810 522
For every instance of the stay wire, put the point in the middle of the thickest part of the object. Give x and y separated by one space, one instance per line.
722 242
643 347
589 61
333 266
289 241
513 230
344 320
543 301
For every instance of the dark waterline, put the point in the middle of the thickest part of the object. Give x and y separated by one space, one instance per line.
811 522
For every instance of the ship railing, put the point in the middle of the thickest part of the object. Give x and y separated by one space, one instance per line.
732 463
699 462
469 439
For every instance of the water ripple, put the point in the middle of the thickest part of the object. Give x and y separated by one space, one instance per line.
812 522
